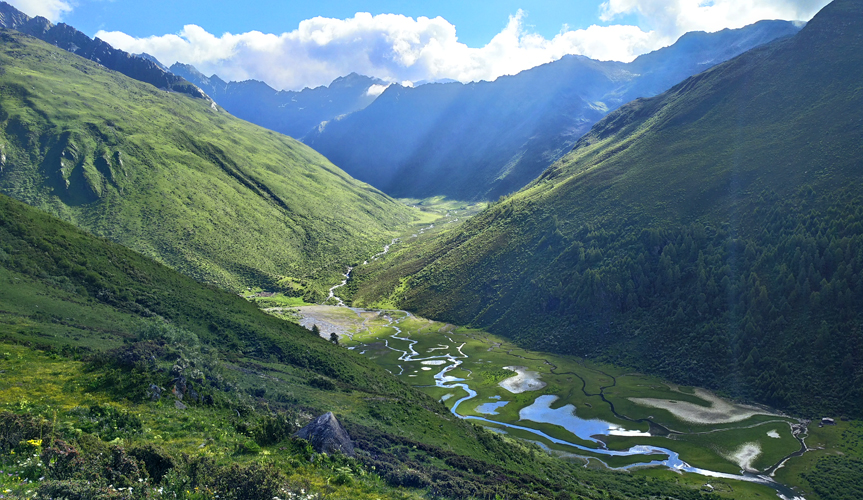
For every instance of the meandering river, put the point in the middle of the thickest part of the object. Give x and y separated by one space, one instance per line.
540 411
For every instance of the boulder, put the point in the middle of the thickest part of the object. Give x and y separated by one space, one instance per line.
327 435
155 392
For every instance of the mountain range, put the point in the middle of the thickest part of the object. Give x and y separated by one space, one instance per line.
481 140
712 234
291 113
474 141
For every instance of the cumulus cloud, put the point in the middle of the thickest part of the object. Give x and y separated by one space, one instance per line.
52 10
396 48
392 47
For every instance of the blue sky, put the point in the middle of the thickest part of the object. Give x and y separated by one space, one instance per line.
293 44
476 21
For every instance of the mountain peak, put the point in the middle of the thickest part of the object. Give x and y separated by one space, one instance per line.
152 59
353 79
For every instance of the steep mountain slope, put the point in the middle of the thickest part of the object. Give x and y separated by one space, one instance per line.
713 234
177 178
182 385
482 140
68 38
291 113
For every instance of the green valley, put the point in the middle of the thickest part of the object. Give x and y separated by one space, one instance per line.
177 178
711 235
194 307
604 416
125 379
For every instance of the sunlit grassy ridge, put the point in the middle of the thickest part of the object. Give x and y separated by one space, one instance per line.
180 181
713 234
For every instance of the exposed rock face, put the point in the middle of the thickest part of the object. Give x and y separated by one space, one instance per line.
327 435
68 38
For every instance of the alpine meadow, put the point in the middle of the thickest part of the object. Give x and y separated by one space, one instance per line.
587 279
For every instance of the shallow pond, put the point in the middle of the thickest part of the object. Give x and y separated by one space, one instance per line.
490 408
448 357
565 416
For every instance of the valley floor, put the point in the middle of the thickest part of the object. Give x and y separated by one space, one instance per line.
600 415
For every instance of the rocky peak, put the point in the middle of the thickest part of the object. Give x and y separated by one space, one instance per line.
10 17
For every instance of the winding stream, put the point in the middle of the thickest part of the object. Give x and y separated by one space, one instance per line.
443 380
332 295
673 461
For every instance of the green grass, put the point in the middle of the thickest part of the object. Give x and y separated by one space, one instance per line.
819 473
59 390
575 381
210 195
90 325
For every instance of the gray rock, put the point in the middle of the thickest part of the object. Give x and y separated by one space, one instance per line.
327 435
155 392
179 405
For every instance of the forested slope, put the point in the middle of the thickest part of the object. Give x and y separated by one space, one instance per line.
713 234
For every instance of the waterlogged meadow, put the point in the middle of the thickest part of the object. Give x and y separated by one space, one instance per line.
601 415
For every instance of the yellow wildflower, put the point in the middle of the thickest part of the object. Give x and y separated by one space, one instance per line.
35 442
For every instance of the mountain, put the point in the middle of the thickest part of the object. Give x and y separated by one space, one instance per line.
68 38
120 374
712 234
291 113
148 57
178 179
481 140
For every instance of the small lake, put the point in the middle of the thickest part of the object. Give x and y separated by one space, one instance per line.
491 408
565 416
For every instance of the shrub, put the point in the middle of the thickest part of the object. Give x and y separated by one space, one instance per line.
154 459
17 428
249 483
159 330
322 383
78 490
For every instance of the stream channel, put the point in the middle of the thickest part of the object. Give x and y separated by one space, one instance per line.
579 427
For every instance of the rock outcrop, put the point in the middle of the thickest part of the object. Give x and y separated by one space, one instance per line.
327 435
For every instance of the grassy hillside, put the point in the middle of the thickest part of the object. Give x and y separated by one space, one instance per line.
713 234
88 328
179 180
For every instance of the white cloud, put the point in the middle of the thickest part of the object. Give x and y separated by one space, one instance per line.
675 17
52 10
376 90
397 48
